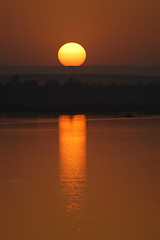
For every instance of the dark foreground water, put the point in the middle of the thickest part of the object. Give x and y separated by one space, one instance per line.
80 179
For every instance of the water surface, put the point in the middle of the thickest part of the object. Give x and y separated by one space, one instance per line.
79 178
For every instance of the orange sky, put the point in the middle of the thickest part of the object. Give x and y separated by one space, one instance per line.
112 32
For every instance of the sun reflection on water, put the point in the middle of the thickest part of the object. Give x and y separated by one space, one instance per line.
72 146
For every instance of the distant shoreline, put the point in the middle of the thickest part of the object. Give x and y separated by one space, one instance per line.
72 97
105 79
113 115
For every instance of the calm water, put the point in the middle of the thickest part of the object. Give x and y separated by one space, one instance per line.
80 179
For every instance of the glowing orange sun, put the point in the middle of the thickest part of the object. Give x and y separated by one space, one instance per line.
72 54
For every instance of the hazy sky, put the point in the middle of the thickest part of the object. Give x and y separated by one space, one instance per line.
112 32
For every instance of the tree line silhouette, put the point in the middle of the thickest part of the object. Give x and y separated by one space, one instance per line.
76 96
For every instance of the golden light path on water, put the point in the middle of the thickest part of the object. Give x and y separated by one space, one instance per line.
72 147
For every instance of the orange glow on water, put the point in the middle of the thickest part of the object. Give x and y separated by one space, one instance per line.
71 54
72 143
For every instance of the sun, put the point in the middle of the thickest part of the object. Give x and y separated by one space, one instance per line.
72 54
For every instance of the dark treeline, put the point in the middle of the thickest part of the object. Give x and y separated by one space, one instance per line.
79 97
